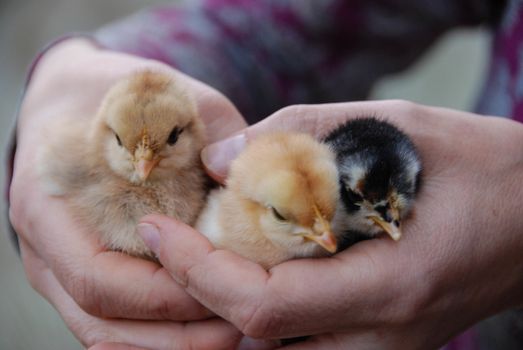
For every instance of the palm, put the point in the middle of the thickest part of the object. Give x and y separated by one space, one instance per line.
451 268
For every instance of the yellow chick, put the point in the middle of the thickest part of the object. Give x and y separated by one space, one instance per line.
278 203
139 155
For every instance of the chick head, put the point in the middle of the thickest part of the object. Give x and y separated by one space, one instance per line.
379 175
290 186
149 128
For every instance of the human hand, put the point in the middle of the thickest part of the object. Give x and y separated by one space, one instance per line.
89 286
458 262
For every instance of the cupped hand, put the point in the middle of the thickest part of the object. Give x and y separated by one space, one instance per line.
458 262
64 261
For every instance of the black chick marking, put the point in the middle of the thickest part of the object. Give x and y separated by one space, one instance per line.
379 176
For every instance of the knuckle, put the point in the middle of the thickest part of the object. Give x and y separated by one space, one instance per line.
82 290
302 118
17 211
210 100
405 105
88 330
406 308
22 212
420 302
294 111
90 333
258 322
406 109
32 277
170 304
408 314
172 309
164 309
14 218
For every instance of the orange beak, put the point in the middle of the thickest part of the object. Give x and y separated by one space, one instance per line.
144 161
322 233
390 228
326 240
143 168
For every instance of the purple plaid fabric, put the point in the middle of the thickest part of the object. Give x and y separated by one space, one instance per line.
265 55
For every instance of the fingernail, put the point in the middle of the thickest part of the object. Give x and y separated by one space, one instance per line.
217 156
150 235
248 343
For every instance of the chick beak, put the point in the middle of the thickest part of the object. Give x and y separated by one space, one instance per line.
144 162
322 233
326 240
390 227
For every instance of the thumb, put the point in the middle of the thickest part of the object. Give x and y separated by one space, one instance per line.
217 157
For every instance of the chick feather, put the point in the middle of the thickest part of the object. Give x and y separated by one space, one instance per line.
139 155
278 202
380 172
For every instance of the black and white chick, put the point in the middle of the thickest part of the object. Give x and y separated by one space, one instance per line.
380 172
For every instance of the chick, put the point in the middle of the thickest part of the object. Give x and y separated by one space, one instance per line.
278 203
379 171
139 155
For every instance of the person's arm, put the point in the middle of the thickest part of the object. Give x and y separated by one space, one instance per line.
458 262
102 296
265 55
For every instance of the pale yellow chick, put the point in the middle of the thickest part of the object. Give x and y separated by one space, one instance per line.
139 155
279 200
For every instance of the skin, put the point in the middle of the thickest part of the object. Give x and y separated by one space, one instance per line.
458 261
103 296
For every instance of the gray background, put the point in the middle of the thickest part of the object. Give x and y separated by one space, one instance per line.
449 75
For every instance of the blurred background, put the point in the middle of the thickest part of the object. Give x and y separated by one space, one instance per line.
449 75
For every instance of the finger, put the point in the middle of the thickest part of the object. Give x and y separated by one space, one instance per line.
208 334
188 263
217 157
103 283
337 342
366 339
320 342
293 299
248 343
245 344
114 346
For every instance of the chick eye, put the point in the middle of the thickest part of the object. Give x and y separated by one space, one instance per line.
173 136
382 210
118 140
277 215
353 197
